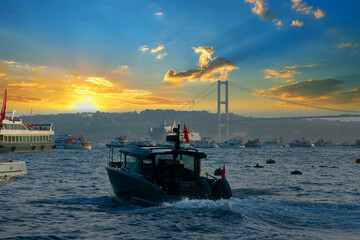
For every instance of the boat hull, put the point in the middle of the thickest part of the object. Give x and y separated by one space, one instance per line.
130 186
11 168
73 146
26 147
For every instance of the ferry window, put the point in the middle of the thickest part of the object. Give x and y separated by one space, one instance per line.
27 138
37 138
12 138
20 138
1 138
17 139
5 138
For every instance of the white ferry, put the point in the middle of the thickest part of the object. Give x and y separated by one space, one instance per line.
17 137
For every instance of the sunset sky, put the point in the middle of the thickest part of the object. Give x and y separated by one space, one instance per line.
115 56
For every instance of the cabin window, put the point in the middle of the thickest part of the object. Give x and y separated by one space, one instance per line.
164 159
27 138
12 138
1 138
20 138
17 139
5 138
188 162
132 163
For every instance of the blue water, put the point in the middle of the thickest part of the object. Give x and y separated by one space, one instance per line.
67 195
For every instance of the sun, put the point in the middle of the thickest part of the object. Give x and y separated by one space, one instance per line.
85 107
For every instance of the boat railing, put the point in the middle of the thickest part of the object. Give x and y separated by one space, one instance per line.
39 127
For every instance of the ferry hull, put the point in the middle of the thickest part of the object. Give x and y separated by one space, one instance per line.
27 147
130 186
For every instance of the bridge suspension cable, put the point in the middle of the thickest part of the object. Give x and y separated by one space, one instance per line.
192 102
205 93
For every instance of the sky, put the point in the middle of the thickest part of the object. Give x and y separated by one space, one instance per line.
59 56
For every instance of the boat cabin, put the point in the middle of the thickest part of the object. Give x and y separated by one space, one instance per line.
165 167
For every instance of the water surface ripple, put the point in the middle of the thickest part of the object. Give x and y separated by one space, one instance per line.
67 195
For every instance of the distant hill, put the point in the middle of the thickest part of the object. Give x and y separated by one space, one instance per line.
102 127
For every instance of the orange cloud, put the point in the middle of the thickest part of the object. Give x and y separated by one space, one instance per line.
158 49
211 69
47 89
160 56
261 9
281 74
303 7
297 23
319 13
158 14
143 48
100 81
348 44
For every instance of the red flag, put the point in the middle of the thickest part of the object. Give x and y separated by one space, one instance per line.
186 134
3 108
223 173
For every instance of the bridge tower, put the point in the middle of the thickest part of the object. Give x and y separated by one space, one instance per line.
223 123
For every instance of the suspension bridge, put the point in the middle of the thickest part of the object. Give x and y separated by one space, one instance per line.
223 121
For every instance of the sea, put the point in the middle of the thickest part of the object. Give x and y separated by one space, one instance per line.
67 195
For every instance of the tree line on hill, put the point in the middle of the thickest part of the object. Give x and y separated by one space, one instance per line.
102 127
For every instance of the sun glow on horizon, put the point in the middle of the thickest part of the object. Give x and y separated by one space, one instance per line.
85 106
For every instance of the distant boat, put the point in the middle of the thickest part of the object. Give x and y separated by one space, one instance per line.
78 143
11 168
205 142
357 143
118 142
271 144
322 143
60 141
301 143
17 137
233 143
171 139
141 143
253 143
159 133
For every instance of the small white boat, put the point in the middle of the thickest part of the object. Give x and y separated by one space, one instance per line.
118 142
205 142
272 144
11 168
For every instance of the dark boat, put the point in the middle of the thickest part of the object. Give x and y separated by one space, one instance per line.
153 175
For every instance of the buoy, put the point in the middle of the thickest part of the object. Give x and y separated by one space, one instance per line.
357 160
297 172
270 161
258 166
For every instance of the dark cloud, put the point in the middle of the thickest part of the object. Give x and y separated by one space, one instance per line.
327 91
